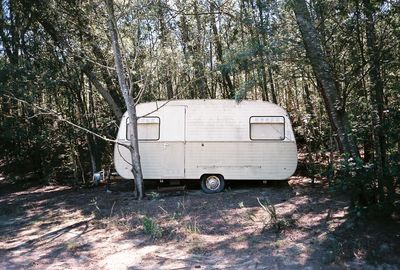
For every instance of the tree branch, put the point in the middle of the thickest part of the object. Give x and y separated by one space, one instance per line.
60 118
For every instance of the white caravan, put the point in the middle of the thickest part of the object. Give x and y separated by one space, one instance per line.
210 140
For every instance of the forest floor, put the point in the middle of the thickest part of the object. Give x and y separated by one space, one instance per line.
58 227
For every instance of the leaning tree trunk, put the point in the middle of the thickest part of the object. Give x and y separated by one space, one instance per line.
129 102
324 74
104 93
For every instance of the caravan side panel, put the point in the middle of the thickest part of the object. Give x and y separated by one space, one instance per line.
160 160
241 160
150 156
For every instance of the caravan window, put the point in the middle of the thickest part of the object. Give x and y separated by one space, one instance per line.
148 128
267 128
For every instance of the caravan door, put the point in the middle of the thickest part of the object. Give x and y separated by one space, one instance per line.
173 139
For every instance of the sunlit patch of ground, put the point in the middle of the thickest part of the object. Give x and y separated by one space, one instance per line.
57 227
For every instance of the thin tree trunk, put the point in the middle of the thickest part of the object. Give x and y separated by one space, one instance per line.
83 111
368 140
187 49
226 80
201 79
307 100
166 78
130 105
272 86
376 92
262 39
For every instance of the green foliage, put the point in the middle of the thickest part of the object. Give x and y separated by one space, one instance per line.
243 89
151 228
360 180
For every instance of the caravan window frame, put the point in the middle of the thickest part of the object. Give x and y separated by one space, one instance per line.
276 116
144 140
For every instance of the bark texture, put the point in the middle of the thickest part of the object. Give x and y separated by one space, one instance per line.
324 75
130 104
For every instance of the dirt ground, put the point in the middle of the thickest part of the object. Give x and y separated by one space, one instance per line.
301 227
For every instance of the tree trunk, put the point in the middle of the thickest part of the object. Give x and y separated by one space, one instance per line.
201 79
166 78
187 50
376 93
105 94
272 86
262 39
85 119
307 100
193 52
130 104
367 140
324 74
226 80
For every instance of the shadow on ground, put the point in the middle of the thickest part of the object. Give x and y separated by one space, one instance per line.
92 228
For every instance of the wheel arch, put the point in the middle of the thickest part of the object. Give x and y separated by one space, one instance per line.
208 174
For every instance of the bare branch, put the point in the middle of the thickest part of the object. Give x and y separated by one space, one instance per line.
60 118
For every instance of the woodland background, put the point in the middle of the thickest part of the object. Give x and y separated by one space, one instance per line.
57 55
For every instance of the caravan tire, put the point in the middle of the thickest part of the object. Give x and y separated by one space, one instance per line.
212 183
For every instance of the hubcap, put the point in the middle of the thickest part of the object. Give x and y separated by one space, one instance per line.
213 182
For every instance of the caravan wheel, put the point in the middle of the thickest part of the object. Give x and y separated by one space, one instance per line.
212 183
